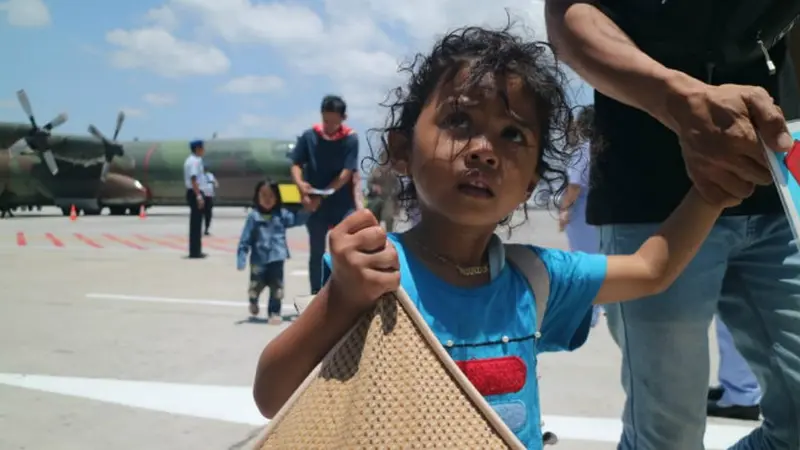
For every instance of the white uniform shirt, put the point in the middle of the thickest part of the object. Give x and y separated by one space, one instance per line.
193 167
208 187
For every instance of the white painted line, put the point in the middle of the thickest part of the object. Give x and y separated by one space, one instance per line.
287 308
299 273
235 404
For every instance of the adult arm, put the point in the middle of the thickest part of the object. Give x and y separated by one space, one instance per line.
299 158
194 175
718 126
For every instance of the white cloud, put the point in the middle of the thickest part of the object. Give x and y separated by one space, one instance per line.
253 84
26 13
163 17
157 50
159 99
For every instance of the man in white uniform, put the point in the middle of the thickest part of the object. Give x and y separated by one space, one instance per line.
194 178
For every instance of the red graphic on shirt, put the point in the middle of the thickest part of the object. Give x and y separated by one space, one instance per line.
495 376
341 133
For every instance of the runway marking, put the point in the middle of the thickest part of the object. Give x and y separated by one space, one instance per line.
56 241
163 242
21 241
125 242
235 404
87 241
288 308
299 273
185 241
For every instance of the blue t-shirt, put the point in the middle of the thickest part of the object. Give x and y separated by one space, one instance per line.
490 331
322 161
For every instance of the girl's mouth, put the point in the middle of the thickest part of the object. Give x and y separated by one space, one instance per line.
476 188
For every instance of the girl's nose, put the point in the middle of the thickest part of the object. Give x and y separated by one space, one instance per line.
482 153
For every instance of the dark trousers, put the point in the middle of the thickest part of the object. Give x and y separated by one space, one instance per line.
269 276
207 209
318 226
195 224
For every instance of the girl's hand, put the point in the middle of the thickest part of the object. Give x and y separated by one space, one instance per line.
365 264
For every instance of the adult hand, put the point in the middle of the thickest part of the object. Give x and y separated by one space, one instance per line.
310 203
719 129
365 264
563 219
200 202
304 188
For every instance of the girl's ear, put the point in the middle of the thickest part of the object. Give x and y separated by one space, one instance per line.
399 147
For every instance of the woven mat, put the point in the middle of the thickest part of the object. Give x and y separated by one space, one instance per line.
388 384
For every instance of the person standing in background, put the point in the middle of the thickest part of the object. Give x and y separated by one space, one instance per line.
194 178
325 158
381 195
738 396
582 237
209 190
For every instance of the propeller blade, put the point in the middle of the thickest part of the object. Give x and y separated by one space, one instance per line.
50 160
57 122
18 147
104 171
120 121
96 133
26 104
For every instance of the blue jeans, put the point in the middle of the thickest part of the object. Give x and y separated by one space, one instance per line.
748 270
739 383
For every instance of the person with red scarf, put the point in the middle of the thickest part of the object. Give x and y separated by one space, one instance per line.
325 169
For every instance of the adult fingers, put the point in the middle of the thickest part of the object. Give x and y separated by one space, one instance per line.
768 120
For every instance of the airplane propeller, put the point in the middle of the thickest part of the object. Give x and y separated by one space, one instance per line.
112 147
37 138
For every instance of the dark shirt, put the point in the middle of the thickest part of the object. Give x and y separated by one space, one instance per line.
322 161
638 173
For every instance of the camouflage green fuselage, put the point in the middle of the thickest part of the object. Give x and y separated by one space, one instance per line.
238 164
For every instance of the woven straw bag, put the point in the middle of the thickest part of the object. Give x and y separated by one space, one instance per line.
389 384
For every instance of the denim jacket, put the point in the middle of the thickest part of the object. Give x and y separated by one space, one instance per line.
264 236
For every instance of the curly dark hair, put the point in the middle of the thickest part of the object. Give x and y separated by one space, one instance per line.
584 123
485 52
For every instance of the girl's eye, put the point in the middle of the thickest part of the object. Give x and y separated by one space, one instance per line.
514 134
457 120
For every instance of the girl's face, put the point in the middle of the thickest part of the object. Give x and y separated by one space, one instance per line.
473 157
266 197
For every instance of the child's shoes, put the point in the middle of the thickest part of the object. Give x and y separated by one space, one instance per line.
253 308
275 319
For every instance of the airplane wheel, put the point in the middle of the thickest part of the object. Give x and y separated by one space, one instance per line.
65 211
117 211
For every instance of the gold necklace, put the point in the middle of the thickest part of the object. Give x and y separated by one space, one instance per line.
464 271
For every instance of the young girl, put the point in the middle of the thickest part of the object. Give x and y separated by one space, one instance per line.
264 237
478 125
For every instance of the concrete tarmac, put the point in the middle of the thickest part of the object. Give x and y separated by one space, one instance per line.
110 338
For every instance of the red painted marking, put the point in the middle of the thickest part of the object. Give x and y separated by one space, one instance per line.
159 242
495 376
87 241
111 237
206 243
56 241
21 241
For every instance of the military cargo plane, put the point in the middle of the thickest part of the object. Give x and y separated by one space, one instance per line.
93 172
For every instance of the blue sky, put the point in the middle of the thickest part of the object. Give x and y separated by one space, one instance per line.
189 68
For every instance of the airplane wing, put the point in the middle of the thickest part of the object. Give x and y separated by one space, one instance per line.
78 150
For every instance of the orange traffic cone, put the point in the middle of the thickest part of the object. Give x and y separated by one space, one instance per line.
141 212
73 214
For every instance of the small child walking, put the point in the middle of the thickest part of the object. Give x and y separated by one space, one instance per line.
481 122
264 237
